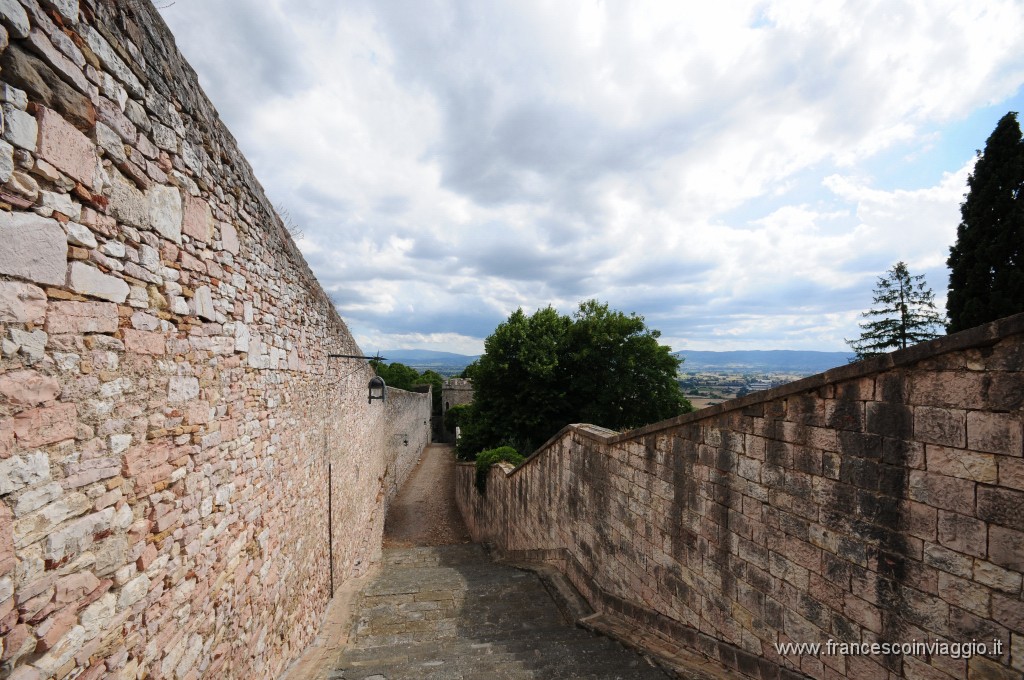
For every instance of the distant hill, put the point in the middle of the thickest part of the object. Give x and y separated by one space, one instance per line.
767 361
445 363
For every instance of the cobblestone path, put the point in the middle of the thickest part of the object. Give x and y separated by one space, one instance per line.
451 613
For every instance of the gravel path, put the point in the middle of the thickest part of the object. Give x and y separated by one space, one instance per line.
424 512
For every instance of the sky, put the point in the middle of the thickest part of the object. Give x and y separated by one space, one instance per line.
738 173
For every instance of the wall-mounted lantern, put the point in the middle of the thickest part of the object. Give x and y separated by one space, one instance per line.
378 389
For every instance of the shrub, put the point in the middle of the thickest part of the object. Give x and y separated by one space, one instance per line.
485 459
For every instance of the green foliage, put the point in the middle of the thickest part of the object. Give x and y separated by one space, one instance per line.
470 370
485 459
435 380
905 316
542 372
986 279
454 416
404 377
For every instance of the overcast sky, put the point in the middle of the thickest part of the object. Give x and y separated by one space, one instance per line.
739 173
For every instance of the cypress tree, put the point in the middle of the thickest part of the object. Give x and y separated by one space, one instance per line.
905 316
986 280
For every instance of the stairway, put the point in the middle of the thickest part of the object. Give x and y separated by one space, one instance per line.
451 613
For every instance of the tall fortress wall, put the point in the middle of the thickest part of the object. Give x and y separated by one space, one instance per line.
879 502
184 473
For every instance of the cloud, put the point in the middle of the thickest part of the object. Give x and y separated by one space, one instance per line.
706 166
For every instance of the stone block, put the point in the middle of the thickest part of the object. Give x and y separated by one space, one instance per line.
6 161
57 202
142 342
88 280
229 238
1006 548
142 457
980 467
82 317
203 303
940 491
943 426
35 248
21 303
28 388
77 535
995 432
62 145
20 128
127 203
198 219
18 472
165 211
961 533
1001 506
133 591
15 18
182 388
47 425
80 235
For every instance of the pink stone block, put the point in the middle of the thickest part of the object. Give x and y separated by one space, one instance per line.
28 388
62 145
82 317
21 303
42 426
142 342
198 220
7 560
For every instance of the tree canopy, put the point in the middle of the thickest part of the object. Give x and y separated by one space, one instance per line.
404 377
539 373
905 314
986 280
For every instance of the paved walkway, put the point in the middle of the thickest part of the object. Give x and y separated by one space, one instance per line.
451 613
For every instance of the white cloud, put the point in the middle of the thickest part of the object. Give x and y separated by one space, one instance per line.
702 165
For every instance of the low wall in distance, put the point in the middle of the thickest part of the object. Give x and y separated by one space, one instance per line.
878 502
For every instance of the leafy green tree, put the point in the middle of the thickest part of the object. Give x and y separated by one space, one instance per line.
396 374
454 416
539 373
905 316
470 370
986 280
436 381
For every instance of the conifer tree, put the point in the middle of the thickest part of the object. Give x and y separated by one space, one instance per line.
905 314
986 280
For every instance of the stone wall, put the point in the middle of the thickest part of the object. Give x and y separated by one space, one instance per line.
878 502
179 458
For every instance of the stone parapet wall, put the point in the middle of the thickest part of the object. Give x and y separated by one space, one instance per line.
878 502
179 458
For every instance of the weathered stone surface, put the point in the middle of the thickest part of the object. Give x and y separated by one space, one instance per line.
68 9
24 470
20 128
165 211
21 303
14 18
181 388
26 71
203 301
80 235
143 342
77 535
90 281
229 238
61 144
112 62
198 220
28 388
35 248
48 425
6 161
127 203
82 317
